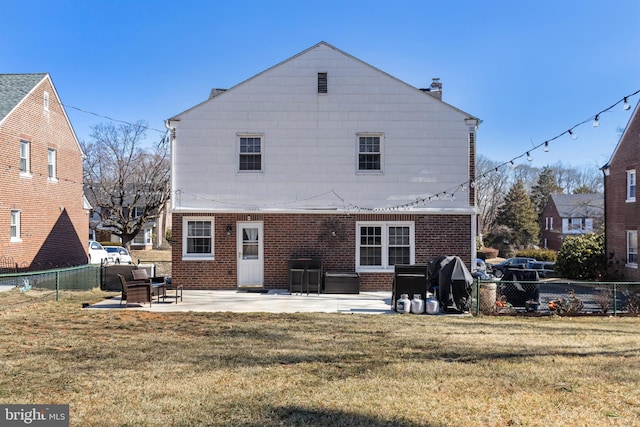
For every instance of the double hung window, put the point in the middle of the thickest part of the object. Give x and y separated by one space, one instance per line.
15 226
51 164
631 185
251 148
369 153
632 248
197 240
380 246
25 157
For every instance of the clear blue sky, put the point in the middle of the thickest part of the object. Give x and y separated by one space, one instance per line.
530 70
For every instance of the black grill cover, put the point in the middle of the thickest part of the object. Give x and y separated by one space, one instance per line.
454 282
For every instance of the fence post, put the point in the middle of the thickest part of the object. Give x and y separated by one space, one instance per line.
615 300
57 286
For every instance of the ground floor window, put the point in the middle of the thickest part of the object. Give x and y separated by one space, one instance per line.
15 226
632 248
197 238
381 245
143 237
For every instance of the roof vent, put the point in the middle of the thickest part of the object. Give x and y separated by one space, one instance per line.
216 92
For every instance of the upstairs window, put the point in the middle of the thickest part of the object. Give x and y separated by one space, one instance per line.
51 164
369 153
250 153
323 86
25 157
15 226
46 101
631 185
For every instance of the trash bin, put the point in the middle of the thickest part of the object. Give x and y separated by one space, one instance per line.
410 280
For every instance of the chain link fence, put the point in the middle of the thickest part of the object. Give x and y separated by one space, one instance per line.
555 297
82 278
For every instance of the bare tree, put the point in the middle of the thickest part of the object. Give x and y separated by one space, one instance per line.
492 184
128 183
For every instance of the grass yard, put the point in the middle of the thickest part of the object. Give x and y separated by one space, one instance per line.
136 368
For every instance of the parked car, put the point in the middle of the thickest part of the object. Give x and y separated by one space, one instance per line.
118 255
96 253
544 267
518 262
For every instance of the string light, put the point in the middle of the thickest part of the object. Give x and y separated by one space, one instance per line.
529 158
573 135
626 106
546 146
596 121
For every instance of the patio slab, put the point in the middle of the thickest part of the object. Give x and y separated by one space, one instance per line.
273 301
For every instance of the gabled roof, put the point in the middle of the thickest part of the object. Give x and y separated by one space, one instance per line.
14 88
322 43
634 117
579 205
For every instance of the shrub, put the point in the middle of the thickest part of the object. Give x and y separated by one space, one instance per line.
538 254
582 257
168 236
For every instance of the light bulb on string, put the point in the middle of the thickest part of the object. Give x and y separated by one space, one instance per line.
626 106
573 135
546 146
512 165
596 121
529 158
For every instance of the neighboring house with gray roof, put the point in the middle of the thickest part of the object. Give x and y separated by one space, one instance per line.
570 214
43 215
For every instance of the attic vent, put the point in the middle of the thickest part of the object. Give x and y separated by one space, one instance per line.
322 83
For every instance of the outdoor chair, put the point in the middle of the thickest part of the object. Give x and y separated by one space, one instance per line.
158 284
135 292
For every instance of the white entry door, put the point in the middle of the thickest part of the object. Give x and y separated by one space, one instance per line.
250 254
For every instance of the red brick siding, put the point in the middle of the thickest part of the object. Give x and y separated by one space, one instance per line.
294 235
54 225
620 215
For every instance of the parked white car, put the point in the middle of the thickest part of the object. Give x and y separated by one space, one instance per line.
118 255
96 253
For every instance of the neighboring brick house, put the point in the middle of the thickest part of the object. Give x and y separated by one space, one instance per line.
43 220
569 215
622 207
319 156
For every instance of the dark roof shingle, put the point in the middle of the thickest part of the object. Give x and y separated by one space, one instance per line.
13 89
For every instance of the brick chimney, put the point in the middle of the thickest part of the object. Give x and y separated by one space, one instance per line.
435 90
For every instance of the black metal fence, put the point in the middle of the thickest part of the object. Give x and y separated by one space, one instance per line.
555 297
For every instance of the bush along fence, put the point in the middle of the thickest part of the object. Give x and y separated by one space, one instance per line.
85 277
564 298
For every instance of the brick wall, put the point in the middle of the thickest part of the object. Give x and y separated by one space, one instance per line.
310 235
620 215
54 225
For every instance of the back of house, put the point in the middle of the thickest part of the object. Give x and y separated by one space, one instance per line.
321 157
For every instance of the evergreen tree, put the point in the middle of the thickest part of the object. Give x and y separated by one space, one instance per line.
519 214
546 185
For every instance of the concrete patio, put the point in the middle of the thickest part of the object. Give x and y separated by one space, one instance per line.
273 301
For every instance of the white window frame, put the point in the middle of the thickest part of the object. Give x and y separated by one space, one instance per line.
631 185
46 101
632 248
260 153
143 237
379 153
186 256
385 225
15 226
52 167
25 157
